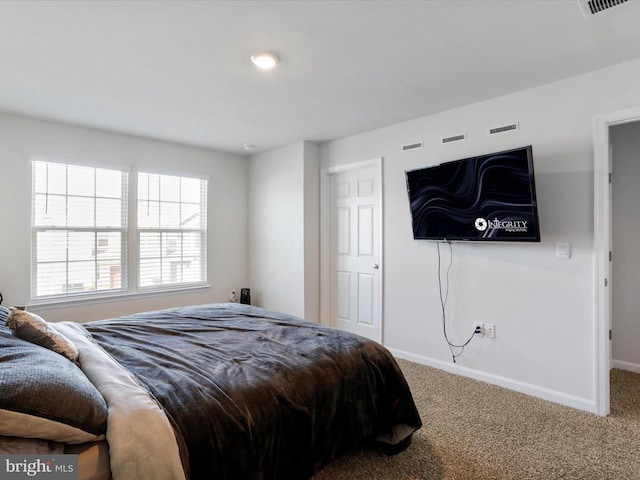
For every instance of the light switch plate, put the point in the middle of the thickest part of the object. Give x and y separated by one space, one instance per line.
563 250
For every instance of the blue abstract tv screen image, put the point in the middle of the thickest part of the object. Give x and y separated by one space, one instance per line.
485 198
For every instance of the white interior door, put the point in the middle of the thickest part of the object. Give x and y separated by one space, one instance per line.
355 252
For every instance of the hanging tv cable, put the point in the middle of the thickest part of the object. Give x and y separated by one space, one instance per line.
443 303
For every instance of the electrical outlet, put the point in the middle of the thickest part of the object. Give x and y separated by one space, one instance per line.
476 326
489 330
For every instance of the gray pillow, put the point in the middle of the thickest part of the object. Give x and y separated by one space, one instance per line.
4 314
33 328
43 395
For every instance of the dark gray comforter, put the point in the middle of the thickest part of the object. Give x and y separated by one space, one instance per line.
254 394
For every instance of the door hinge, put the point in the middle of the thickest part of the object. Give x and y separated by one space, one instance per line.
606 282
609 334
610 255
610 176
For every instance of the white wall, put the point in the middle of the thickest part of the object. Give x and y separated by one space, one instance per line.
311 231
276 209
284 229
21 138
542 307
625 220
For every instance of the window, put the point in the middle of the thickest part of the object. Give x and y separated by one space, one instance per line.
79 230
172 231
80 233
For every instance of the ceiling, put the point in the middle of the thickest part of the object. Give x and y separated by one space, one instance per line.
180 70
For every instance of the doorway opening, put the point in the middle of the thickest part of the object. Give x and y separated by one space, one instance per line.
603 253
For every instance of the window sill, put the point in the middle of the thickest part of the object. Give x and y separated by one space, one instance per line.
44 304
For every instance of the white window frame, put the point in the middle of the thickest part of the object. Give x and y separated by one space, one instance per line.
201 231
36 229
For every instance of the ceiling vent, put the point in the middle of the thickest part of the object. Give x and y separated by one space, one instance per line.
504 128
412 146
591 7
454 138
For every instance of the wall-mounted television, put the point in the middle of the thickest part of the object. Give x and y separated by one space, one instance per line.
484 198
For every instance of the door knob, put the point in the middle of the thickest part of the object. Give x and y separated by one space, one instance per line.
376 266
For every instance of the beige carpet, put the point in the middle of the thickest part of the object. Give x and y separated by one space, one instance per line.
478 431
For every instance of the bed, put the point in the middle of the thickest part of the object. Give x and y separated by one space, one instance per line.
224 391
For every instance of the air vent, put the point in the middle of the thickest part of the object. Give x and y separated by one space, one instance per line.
455 138
504 128
591 7
412 146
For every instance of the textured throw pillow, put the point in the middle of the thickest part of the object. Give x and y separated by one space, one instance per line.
4 314
33 328
43 395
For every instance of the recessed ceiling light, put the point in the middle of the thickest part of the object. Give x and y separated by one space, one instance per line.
249 146
265 60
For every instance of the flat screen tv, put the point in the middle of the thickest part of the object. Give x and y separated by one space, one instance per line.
485 198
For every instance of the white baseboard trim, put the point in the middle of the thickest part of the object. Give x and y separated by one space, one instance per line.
631 367
529 389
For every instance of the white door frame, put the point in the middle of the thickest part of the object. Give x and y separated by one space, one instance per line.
325 237
602 247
